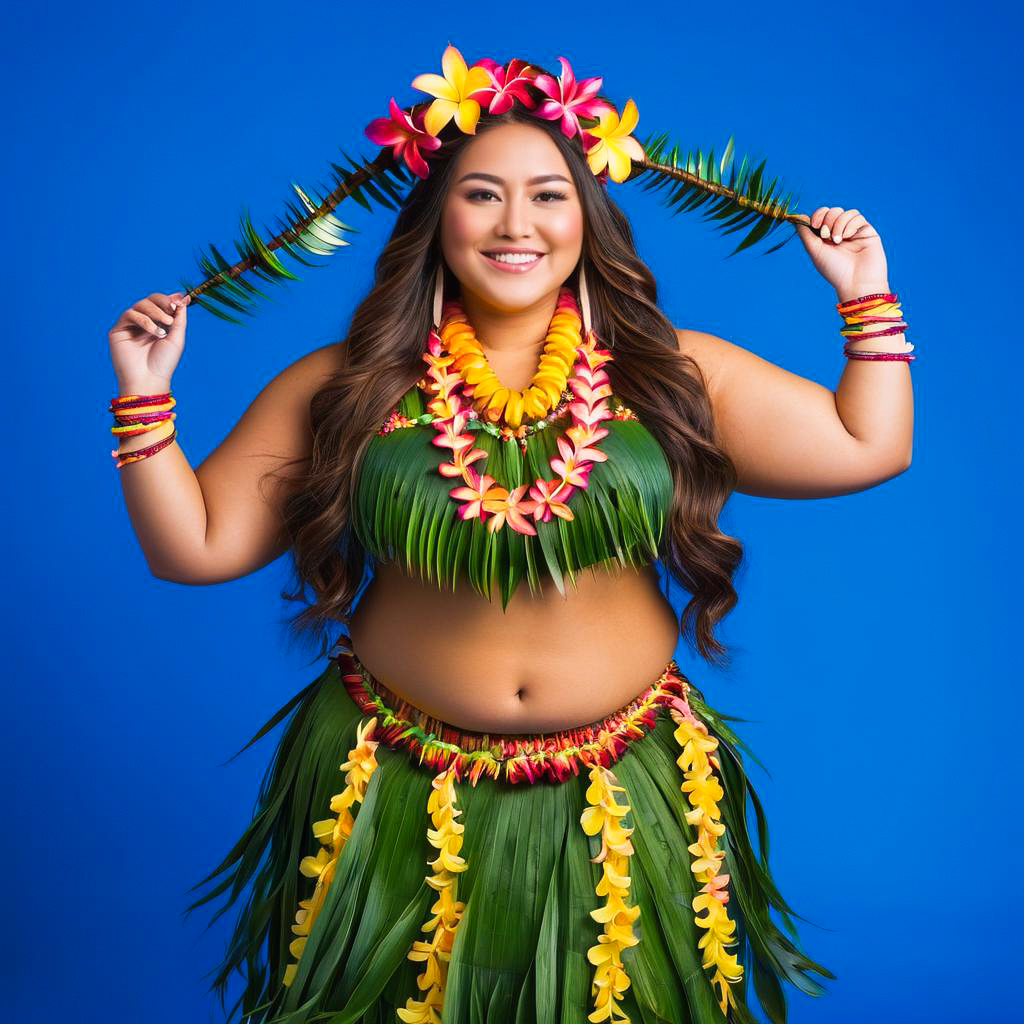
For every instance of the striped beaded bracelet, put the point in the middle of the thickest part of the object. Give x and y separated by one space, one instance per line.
878 308
139 414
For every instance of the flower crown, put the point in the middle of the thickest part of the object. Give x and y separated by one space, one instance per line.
462 93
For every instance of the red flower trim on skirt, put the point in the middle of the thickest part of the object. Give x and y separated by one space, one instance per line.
513 757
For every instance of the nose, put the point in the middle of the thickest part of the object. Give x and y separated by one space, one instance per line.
516 219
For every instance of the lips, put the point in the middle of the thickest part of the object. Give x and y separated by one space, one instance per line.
513 268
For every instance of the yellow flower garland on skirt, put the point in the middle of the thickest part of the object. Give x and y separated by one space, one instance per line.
604 815
446 837
704 791
333 833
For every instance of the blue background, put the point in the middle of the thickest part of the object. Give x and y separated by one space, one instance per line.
875 637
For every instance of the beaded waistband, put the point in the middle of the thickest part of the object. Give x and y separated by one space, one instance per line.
513 757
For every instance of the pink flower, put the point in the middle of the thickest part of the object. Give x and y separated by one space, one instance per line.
460 461
454 440
508 507
509 84
406 134
473 495
569 99
590 416
574 466
549 495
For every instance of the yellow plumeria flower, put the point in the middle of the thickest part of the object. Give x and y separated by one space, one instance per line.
453 92
615 145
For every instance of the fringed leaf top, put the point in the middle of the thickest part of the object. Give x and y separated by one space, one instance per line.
405 512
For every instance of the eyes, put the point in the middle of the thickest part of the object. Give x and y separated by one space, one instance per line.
487 192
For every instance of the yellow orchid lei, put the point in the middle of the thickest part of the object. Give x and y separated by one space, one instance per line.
704 791
446 837
603 815
333 833
462 93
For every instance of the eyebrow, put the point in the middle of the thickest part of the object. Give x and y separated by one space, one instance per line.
501 181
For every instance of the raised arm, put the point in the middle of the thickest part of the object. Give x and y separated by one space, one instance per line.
793 438
223 520
790 437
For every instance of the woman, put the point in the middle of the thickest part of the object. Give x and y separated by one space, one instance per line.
536 816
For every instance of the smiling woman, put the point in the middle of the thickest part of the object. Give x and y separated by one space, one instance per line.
501 800
508 299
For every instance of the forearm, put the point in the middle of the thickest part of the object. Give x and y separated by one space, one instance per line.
875 398
164 500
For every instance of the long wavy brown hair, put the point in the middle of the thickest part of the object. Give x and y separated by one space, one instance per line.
382 357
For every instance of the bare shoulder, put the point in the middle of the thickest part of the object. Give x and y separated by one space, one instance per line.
310 372
709 352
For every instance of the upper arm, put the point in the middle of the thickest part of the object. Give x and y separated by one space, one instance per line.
782 431
244 523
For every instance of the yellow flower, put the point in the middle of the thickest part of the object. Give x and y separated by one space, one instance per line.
604 815
704 792
446 836
615 145
333 834
453 92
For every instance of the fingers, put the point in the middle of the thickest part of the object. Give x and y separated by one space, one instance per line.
147 323
157 314
157 308
834 223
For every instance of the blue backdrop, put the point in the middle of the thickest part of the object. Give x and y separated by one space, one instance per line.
873 637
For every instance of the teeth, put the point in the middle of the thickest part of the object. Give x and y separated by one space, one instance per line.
514 257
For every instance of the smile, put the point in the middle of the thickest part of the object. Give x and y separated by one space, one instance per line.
514 263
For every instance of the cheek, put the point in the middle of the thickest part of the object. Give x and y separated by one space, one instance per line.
566 229
463 227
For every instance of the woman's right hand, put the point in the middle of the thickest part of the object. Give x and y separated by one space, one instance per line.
147 341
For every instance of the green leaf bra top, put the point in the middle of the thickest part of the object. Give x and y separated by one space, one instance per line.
405 512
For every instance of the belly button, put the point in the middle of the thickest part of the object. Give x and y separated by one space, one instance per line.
520 692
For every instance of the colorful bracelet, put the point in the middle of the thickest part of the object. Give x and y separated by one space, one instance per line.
139 414
144 453
881 308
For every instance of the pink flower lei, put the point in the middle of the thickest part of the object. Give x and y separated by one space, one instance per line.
481 497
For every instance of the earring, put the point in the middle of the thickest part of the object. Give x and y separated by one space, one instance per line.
438 295
584 302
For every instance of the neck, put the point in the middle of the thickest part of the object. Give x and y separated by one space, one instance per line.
519 332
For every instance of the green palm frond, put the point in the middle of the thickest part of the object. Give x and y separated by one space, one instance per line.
404 511
311 228
735 200
738 201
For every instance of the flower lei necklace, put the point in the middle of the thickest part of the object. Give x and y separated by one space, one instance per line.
495 402
481 497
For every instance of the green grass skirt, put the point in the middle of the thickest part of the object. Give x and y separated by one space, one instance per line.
527 882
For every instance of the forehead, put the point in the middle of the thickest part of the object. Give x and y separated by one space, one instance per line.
513 151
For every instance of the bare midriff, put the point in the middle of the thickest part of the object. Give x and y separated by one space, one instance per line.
545 663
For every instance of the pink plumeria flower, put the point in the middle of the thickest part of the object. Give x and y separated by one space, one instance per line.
461 461
406 134
549 495
590 416
508 507
569 99
509 84
573 466
473 495
590 395
454 440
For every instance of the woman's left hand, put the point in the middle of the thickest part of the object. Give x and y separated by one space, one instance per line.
850 255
